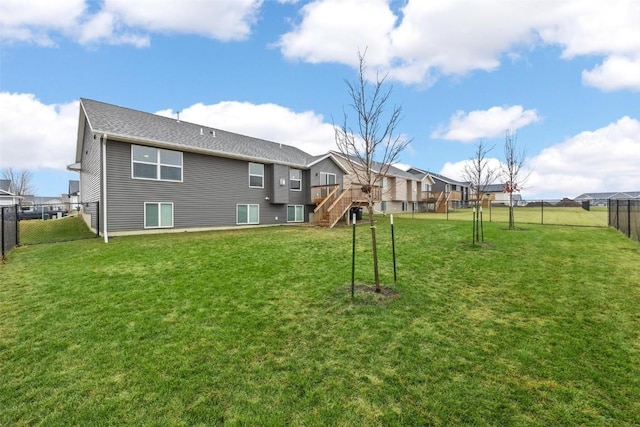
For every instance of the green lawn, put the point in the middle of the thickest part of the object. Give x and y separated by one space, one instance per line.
539 326
36 231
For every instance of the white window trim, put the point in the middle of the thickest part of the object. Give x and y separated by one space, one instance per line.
248 205
292 179
295 214
261 176
158 165
159 204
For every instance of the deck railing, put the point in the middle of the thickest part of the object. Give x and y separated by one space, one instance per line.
452 196
333 207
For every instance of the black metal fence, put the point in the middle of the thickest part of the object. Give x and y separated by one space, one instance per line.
547 212
624 215
8 229
48 223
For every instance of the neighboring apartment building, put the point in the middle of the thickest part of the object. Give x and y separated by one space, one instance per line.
399 191
141 172
444 193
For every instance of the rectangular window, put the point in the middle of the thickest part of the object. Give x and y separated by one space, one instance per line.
247 214
158 215
295 213
156 164
295 179
383 206
404 206
256 175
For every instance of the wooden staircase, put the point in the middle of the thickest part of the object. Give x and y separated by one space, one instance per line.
336 204
441 199
443 202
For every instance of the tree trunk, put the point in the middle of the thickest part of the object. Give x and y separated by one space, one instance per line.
512 224
477 219
374 247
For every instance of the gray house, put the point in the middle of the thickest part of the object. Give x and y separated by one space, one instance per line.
141 172
445 193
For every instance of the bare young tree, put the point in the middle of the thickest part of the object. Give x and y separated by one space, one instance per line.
480 174
374 145
512 171
20 180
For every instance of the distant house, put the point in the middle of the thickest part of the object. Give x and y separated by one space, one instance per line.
74 195
601 199
497 195
7 198
141 172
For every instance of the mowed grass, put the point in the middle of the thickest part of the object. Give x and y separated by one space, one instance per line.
36 231
538 326
550 215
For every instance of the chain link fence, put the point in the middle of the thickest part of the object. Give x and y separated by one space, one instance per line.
624 215
549 212
48 223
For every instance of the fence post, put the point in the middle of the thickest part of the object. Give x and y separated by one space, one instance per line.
2 231
629 218
17 209
542 212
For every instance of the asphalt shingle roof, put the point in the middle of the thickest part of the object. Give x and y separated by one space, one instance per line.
439 177
610 195
127 123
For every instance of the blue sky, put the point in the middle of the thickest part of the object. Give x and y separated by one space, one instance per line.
563 75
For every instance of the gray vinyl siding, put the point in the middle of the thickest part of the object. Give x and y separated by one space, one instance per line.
328 166
90 173
212 187
279 193
91 177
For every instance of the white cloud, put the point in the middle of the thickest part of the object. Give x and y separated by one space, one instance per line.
606 159
415 43
426 39
36 21
306 130
594 27
36 135
125 21
334 31
615 73
455 170
222 19
603 160
468 127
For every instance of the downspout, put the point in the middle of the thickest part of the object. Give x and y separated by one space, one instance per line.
104 187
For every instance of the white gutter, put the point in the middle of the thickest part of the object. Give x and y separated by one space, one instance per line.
104 187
